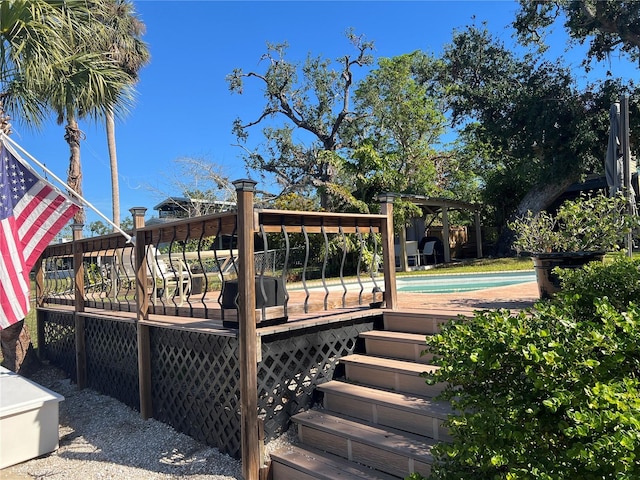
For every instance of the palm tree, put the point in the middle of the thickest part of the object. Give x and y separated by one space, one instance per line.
130 53
87 83
33 38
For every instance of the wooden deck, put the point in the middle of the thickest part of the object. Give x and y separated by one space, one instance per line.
447 305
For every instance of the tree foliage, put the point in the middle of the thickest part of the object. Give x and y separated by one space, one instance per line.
54 60
400 124
607 25
376 135
314 98
124 45
202 181
533 130
33 39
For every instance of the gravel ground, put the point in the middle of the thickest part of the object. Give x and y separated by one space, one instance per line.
101 438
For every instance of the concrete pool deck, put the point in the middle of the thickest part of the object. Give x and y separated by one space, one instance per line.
512 297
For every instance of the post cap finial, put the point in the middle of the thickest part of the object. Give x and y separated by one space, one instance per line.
245 185
386 197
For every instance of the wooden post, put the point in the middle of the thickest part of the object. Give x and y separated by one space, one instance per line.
388 254
402 243
78 268
478 234
39 304
142 313
250 440
446 234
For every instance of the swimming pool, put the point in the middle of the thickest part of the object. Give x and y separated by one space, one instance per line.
465 282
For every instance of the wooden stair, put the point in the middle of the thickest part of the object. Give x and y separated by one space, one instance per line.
400 345
389 373
380 421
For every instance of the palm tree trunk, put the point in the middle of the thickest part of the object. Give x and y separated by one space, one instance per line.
113 162
5 126
18 354
73 136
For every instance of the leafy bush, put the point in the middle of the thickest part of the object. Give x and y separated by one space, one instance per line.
618 281
553 393
589 223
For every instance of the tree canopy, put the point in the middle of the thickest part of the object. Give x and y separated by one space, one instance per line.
534 130
525 128
606 25
401 122
367 137
54 60
314 97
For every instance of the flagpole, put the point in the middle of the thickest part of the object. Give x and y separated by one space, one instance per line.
129 238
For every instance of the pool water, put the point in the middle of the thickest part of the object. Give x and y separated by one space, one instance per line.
461 282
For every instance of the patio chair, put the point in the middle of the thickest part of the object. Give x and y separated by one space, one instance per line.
429 250
172 280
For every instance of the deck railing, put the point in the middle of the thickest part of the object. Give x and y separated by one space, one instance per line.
191 267
248 268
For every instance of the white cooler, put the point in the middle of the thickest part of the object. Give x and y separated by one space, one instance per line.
28 419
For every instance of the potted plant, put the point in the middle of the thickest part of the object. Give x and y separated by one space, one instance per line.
582 230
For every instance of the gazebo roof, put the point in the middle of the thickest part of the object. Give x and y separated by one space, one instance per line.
435 205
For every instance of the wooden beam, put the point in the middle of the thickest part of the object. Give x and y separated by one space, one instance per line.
78 267
388 254
315 229
478 234
445 235
247 333
40 298
142 313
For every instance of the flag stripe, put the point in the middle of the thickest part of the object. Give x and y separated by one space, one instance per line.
14 290
30 204
56 222
43 212
32 212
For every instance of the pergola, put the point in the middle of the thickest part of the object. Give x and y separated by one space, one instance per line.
436 206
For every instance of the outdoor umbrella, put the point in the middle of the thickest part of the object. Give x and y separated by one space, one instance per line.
613 165
616 164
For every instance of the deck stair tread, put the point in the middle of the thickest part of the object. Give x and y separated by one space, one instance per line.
400 401
392 364
295 463
392 336
432 313
400 345
384 438
381 420
391 374
426 323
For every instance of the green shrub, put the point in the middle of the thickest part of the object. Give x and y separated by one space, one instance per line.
553 393
590 223
618 281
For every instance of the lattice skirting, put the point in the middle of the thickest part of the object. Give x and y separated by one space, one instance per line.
59 346
293 364
195 376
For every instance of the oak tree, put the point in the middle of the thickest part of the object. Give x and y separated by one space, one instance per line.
314 98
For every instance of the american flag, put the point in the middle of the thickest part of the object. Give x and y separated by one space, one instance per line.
32 212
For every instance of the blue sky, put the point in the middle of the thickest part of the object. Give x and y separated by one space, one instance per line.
184 107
